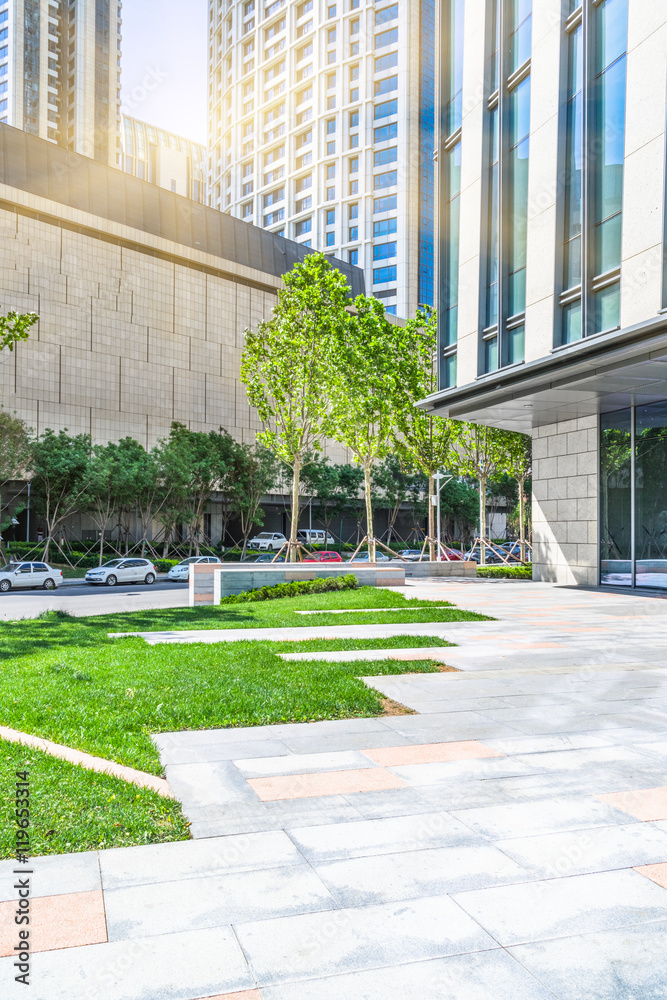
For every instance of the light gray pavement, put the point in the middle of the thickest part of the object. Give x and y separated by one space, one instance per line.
83 600
514 846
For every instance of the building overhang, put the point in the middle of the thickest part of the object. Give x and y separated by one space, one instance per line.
606 372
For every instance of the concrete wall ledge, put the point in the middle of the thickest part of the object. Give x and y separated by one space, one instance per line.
210 582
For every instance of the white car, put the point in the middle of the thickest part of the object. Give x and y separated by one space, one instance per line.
26 574
313 536
122 571
267 541
181 573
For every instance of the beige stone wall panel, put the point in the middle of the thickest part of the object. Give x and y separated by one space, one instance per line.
84 380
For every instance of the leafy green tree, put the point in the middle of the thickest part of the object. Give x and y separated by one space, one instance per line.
110 484
519 465
481 453
15 327
424 440
15 453
369 363
286 367
195 464
256 470
393 486
459 504
333 488
59 464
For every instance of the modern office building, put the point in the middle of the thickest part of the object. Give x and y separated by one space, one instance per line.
552 285
163 158
60 73
321 128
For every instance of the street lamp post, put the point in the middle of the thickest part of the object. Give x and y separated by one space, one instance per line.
439 476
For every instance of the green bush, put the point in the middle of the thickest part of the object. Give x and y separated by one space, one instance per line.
296 589
506 572
164 565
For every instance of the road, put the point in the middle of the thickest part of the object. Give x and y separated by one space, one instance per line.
86 600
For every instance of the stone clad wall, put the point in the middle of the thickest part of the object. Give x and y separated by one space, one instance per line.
133 331
209 582
565 502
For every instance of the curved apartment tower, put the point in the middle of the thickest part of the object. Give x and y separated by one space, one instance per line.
321 128
552 287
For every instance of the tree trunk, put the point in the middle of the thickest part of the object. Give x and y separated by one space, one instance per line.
101 547
372 556
294 524
522 530
431 519
482 520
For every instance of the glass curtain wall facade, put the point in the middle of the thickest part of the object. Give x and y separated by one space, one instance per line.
450 188
504 240
633 500
426 146
596 42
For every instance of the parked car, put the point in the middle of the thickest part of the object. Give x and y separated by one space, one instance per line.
412 555
363 557
29 575
266 558
270 541
122 571
453 555
181 572
313 536
323 557
513 549
490 555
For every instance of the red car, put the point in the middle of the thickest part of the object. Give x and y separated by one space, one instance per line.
323 557
454 555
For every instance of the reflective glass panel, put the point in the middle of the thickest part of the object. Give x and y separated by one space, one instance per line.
607 307
491 354
651 495
615 498
516 340
572 323
455 66
520 40
492 223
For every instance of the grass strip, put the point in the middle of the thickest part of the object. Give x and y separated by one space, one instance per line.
77 810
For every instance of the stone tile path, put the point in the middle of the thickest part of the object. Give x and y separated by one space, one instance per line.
508 842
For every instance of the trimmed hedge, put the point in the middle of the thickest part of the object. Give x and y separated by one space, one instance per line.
506 572
297 589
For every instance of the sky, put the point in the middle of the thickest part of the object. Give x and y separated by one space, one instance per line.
164 67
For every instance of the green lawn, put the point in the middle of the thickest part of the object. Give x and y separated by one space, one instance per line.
77 810
65 679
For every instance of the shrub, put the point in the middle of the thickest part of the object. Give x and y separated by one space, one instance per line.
164 565
506 572
297 589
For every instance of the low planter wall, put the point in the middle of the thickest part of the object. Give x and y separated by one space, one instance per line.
458 568
209 583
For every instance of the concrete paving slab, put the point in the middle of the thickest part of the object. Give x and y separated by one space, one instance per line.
54 875
213 901
579 904
262 767
352 940
611 965
555 814
481 976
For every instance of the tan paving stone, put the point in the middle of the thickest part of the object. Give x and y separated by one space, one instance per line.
645 804
56 922
304 786
657 873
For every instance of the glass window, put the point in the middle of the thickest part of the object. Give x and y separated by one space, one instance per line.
383 251
354 119
386 132
305 226
521 36
331 171
331 216
330 238
331 148
386 86
387 179
454 70
384 156
331 36
650 496
384 228
331 126
386 62
572 265
615 498
386 204
518 192
386 109
492 244
449 327
386 14
384 38
331 193
353 211
353 164
382 275
354 257
353 233
354 140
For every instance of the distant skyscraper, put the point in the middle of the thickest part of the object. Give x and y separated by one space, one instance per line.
321 127
165 159
60 73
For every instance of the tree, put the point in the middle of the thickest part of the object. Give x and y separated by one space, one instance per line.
365 394
15 327
110 484
286 367
424 440
15 452
519 465
334 488
195 464
59 463
256 472
393 486
481 454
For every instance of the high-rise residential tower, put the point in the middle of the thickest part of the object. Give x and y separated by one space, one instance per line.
164 158
552 287
60 73
321 127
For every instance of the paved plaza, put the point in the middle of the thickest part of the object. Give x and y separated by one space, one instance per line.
506 841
